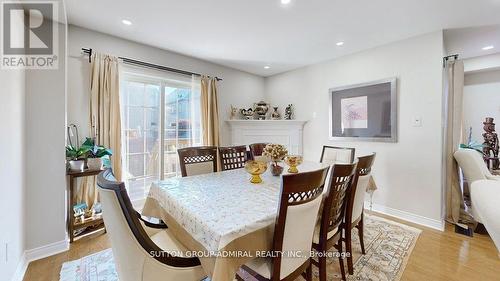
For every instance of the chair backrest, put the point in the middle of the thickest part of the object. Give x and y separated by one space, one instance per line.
197 160
256 149
233 157
301 196
337 155
339 186
361 180
472 164
130 243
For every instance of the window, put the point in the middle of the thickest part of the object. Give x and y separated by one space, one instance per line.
160 114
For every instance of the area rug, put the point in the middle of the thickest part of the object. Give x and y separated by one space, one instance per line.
388 246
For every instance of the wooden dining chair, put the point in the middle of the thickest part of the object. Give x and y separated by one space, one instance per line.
141 247
328 232
197 160
300 200
256 150
355 205
337 155
233 157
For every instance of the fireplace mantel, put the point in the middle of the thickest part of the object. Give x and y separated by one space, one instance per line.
286 132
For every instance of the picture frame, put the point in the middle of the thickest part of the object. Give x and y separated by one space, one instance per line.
364 112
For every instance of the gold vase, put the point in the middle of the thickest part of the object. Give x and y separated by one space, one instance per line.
293 161
255 168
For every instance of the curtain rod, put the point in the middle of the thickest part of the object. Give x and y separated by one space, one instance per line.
88 51
445 59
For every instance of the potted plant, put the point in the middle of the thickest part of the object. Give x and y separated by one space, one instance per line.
275 152
95 154
76 157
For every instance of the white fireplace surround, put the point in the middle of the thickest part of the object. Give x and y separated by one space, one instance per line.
286 132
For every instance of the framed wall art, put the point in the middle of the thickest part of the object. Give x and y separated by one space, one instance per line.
364 112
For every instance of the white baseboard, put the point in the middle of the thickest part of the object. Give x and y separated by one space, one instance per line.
36 254
47 250
406 216
20 269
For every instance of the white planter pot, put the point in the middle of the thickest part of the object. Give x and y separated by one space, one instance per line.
94 163
77 165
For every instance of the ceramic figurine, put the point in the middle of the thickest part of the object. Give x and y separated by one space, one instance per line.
247 113
289 112
490 145
275 115
261 109
234 112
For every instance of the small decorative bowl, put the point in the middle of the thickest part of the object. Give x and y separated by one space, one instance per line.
293 161
255 168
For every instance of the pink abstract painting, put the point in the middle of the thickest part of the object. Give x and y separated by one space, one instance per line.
354 112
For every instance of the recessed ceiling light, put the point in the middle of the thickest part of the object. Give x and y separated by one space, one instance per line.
340 43
488 48
126 22
267 67
284 2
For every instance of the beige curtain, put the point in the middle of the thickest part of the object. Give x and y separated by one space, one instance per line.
209 111
456 210
104 116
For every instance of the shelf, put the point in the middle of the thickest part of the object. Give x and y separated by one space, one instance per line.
88 232
88 222
85 173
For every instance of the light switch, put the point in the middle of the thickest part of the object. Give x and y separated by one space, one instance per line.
417 121
314 115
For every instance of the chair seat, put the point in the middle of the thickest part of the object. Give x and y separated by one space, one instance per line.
167 242
261 265
328 236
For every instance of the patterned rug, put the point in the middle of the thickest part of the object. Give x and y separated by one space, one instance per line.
388 246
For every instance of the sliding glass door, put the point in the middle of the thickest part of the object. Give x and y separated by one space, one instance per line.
160 115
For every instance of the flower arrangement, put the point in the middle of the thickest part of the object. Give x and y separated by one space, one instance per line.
275 152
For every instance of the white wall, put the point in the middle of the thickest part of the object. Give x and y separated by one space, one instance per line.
12 187
238 88
481 100
408 172
12 201
45 155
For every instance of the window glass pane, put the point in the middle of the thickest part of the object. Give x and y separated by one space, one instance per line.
135 93
135 118
142 109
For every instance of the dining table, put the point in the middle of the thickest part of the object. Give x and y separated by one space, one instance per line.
221 216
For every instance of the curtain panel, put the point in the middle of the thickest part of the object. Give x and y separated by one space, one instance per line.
456 210
104 117
209 111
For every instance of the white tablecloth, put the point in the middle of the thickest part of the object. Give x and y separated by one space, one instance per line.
219 207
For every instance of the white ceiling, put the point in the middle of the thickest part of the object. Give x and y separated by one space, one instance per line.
469 42
249 34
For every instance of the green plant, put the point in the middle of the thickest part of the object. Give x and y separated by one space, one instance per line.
73 153
96 151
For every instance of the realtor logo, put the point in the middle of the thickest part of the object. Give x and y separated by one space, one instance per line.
29 35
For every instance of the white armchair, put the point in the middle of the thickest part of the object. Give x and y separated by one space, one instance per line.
484 191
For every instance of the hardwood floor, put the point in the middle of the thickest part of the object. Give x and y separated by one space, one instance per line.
437 256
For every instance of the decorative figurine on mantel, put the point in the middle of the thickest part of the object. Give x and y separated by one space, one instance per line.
234 112
275 115
247 113
490 145
261 109
289 112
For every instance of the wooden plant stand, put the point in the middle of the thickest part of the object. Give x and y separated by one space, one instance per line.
94 224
